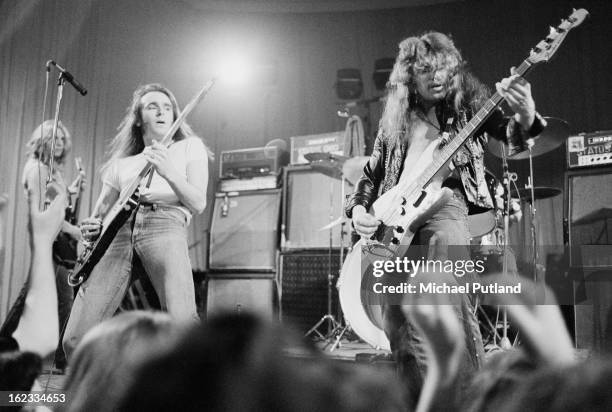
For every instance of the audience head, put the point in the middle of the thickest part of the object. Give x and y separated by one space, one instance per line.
580 387
105 361
240 363
18 370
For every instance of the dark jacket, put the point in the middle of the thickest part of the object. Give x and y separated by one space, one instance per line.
383 170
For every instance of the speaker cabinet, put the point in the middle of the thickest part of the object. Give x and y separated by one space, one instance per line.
311 200
303 279
589 238
241 293
244 230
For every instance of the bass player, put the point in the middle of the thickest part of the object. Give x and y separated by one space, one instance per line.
430 92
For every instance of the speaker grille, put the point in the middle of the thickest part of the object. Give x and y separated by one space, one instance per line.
303 279
244 231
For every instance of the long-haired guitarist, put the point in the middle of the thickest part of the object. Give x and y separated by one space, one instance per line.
35 176
156 233
430 93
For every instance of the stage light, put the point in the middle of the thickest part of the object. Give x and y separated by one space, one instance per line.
235 70
349 85
382 71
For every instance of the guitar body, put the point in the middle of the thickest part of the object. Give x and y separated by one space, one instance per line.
402 211
407 206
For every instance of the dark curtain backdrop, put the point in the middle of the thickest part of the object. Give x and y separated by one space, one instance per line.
112 46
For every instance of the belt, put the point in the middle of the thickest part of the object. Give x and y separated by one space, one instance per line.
150 206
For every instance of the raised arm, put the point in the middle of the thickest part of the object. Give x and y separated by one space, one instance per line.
38 329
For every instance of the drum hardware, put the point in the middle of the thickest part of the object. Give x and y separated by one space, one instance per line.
481 224
330 165
539 192
554 135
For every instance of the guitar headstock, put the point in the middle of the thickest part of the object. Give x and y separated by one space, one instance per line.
545 49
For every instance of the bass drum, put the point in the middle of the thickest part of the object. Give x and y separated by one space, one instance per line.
364 319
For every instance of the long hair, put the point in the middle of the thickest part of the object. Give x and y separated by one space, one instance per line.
430 50
105 361
40 148
129 139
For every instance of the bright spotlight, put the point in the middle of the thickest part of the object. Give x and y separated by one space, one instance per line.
234 70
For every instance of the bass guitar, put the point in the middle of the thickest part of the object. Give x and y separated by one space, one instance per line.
407 206
125 205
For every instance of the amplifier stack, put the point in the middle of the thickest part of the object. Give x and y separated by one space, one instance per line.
278 249
244 233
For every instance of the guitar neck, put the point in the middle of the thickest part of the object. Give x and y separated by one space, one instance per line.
447 152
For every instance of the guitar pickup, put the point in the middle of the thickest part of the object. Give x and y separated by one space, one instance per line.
420 199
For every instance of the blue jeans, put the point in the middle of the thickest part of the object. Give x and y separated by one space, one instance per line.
446 236
158 235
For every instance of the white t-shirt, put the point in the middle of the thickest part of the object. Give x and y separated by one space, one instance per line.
122 172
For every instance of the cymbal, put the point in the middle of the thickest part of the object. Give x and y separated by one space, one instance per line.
553 136
603 213
353 168
325 157
539 192
328 164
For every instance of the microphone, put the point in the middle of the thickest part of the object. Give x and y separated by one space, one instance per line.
68 76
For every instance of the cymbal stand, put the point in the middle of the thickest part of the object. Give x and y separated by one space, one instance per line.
532 211
332 324
508 178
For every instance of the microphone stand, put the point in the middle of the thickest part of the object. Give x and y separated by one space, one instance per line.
58 101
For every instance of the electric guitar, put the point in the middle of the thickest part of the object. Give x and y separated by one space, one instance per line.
65 246
125 205
408 205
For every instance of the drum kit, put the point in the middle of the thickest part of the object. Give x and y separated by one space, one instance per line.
489 228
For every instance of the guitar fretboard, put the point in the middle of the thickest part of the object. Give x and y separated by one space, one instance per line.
455 143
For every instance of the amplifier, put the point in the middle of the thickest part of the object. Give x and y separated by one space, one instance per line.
316 143
253 183
311 201
589 149
247 163
244 230
241 293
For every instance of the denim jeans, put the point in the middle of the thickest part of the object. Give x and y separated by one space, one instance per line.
446 236
158 235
